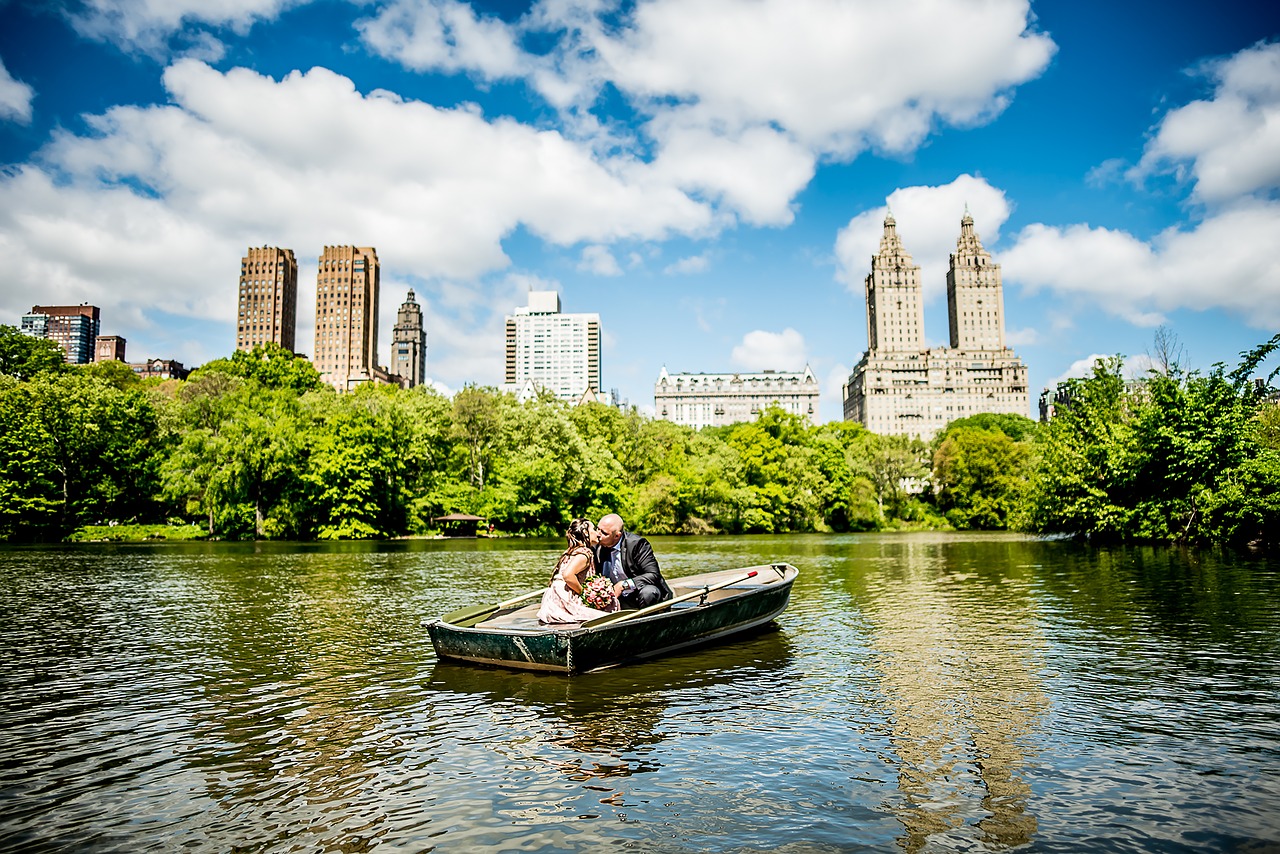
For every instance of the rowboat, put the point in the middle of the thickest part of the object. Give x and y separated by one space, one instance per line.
703 608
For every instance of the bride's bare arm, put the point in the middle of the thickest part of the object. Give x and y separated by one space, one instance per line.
572 570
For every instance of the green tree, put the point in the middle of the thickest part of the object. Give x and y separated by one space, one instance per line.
116 373
1177 457
272 366
24 356
898 465
978 475
1019 428
356 465
75 449
1075 486
477 423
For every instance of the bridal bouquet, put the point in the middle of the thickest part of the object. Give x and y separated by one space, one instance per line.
597 592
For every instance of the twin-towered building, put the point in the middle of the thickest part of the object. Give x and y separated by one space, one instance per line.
901 387
348 284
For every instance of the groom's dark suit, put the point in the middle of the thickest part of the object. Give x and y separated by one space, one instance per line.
636 564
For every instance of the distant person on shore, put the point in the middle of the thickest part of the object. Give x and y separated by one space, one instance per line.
562 602
627 560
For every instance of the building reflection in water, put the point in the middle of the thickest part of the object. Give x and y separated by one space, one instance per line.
958 659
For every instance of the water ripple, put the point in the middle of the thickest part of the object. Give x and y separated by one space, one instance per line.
921 693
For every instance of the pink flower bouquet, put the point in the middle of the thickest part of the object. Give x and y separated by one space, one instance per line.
597 592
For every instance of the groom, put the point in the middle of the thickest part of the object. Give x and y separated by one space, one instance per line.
627 560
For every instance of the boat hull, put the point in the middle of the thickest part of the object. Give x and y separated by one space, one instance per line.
583 649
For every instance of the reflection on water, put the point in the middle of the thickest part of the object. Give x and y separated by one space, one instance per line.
959 664
924 692
609 722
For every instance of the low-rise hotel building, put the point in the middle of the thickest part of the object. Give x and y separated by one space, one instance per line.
716 400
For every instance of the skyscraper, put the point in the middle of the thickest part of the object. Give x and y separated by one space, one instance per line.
409 344
975 297
347 285
548 350
268 304
895 298
900 387
73 327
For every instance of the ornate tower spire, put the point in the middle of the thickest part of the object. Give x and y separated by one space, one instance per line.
975 296
409 347
895 301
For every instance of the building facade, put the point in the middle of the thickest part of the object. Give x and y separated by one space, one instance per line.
552 351
109 348
160 369
346 341
716 400
902 388
268 303
74 328
409 344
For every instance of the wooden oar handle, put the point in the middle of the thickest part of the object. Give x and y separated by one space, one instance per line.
661 606
522 598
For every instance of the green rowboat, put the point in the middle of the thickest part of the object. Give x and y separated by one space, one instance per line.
704 608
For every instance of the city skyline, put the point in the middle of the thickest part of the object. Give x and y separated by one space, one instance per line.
710 178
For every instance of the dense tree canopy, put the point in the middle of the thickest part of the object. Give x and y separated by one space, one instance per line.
1178 457
254 446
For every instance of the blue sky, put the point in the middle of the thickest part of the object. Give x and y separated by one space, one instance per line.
710 176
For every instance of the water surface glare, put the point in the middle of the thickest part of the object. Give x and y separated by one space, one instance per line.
923 692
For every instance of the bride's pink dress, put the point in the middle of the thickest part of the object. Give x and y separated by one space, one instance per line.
562 605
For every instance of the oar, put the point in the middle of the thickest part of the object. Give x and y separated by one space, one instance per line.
653 609
476 613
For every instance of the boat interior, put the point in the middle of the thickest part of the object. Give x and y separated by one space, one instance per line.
693 587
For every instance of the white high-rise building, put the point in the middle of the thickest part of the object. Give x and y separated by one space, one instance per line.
548 350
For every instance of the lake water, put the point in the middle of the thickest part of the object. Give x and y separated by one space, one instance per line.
922 693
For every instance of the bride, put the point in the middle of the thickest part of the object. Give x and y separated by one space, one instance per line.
562 603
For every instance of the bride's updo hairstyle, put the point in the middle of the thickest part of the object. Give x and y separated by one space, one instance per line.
579 537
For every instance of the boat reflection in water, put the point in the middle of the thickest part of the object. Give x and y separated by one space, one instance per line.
611 723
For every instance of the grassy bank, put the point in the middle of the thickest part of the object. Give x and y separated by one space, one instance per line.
137 533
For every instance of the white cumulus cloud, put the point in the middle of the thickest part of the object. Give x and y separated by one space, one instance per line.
150 26
740 99
688 266
928 222
837 76
15 98
1229 144
762 350
1230 261
600 261
443 35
